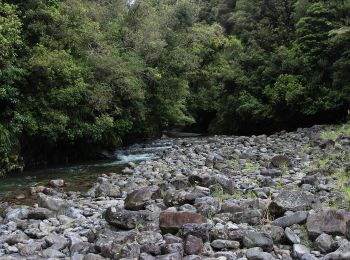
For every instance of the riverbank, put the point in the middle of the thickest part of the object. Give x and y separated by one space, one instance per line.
283 196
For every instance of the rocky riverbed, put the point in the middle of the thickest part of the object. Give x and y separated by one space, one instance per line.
284 196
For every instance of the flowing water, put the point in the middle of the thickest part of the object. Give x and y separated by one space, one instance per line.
80 177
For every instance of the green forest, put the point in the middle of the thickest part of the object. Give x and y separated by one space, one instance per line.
78 76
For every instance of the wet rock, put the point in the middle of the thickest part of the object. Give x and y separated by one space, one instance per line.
137 199
291 200
291 219
225 244
332 222
257 239
193 245
323 243
173 221
57 183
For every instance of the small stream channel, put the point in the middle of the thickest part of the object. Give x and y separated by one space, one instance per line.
79 177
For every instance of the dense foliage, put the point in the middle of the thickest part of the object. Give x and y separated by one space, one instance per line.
81 75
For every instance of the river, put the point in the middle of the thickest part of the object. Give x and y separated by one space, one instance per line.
79 177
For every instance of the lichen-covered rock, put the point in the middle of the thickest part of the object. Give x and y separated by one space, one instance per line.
332 222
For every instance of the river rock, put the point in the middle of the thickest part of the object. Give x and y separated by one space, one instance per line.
193 245
55 241
225 244
40 213
291 200
291 219
199 230
342 253
323 243
52 253
275 232
257 239
137 199
28 249
279 161
126 219
16 214
332 222
291 236
256 253
173 221
300 250
57 183
172 248
52 203
16 237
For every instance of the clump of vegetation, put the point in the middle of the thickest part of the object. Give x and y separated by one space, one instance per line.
305 237
334 134
252 167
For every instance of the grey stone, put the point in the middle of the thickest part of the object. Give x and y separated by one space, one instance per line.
52 253
300 250
257 239
323 243
225 244
293 200
291 236
291 219
332 222
193 245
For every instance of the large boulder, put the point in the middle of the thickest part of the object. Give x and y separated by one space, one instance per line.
291 200
332 222
170 221
137 199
